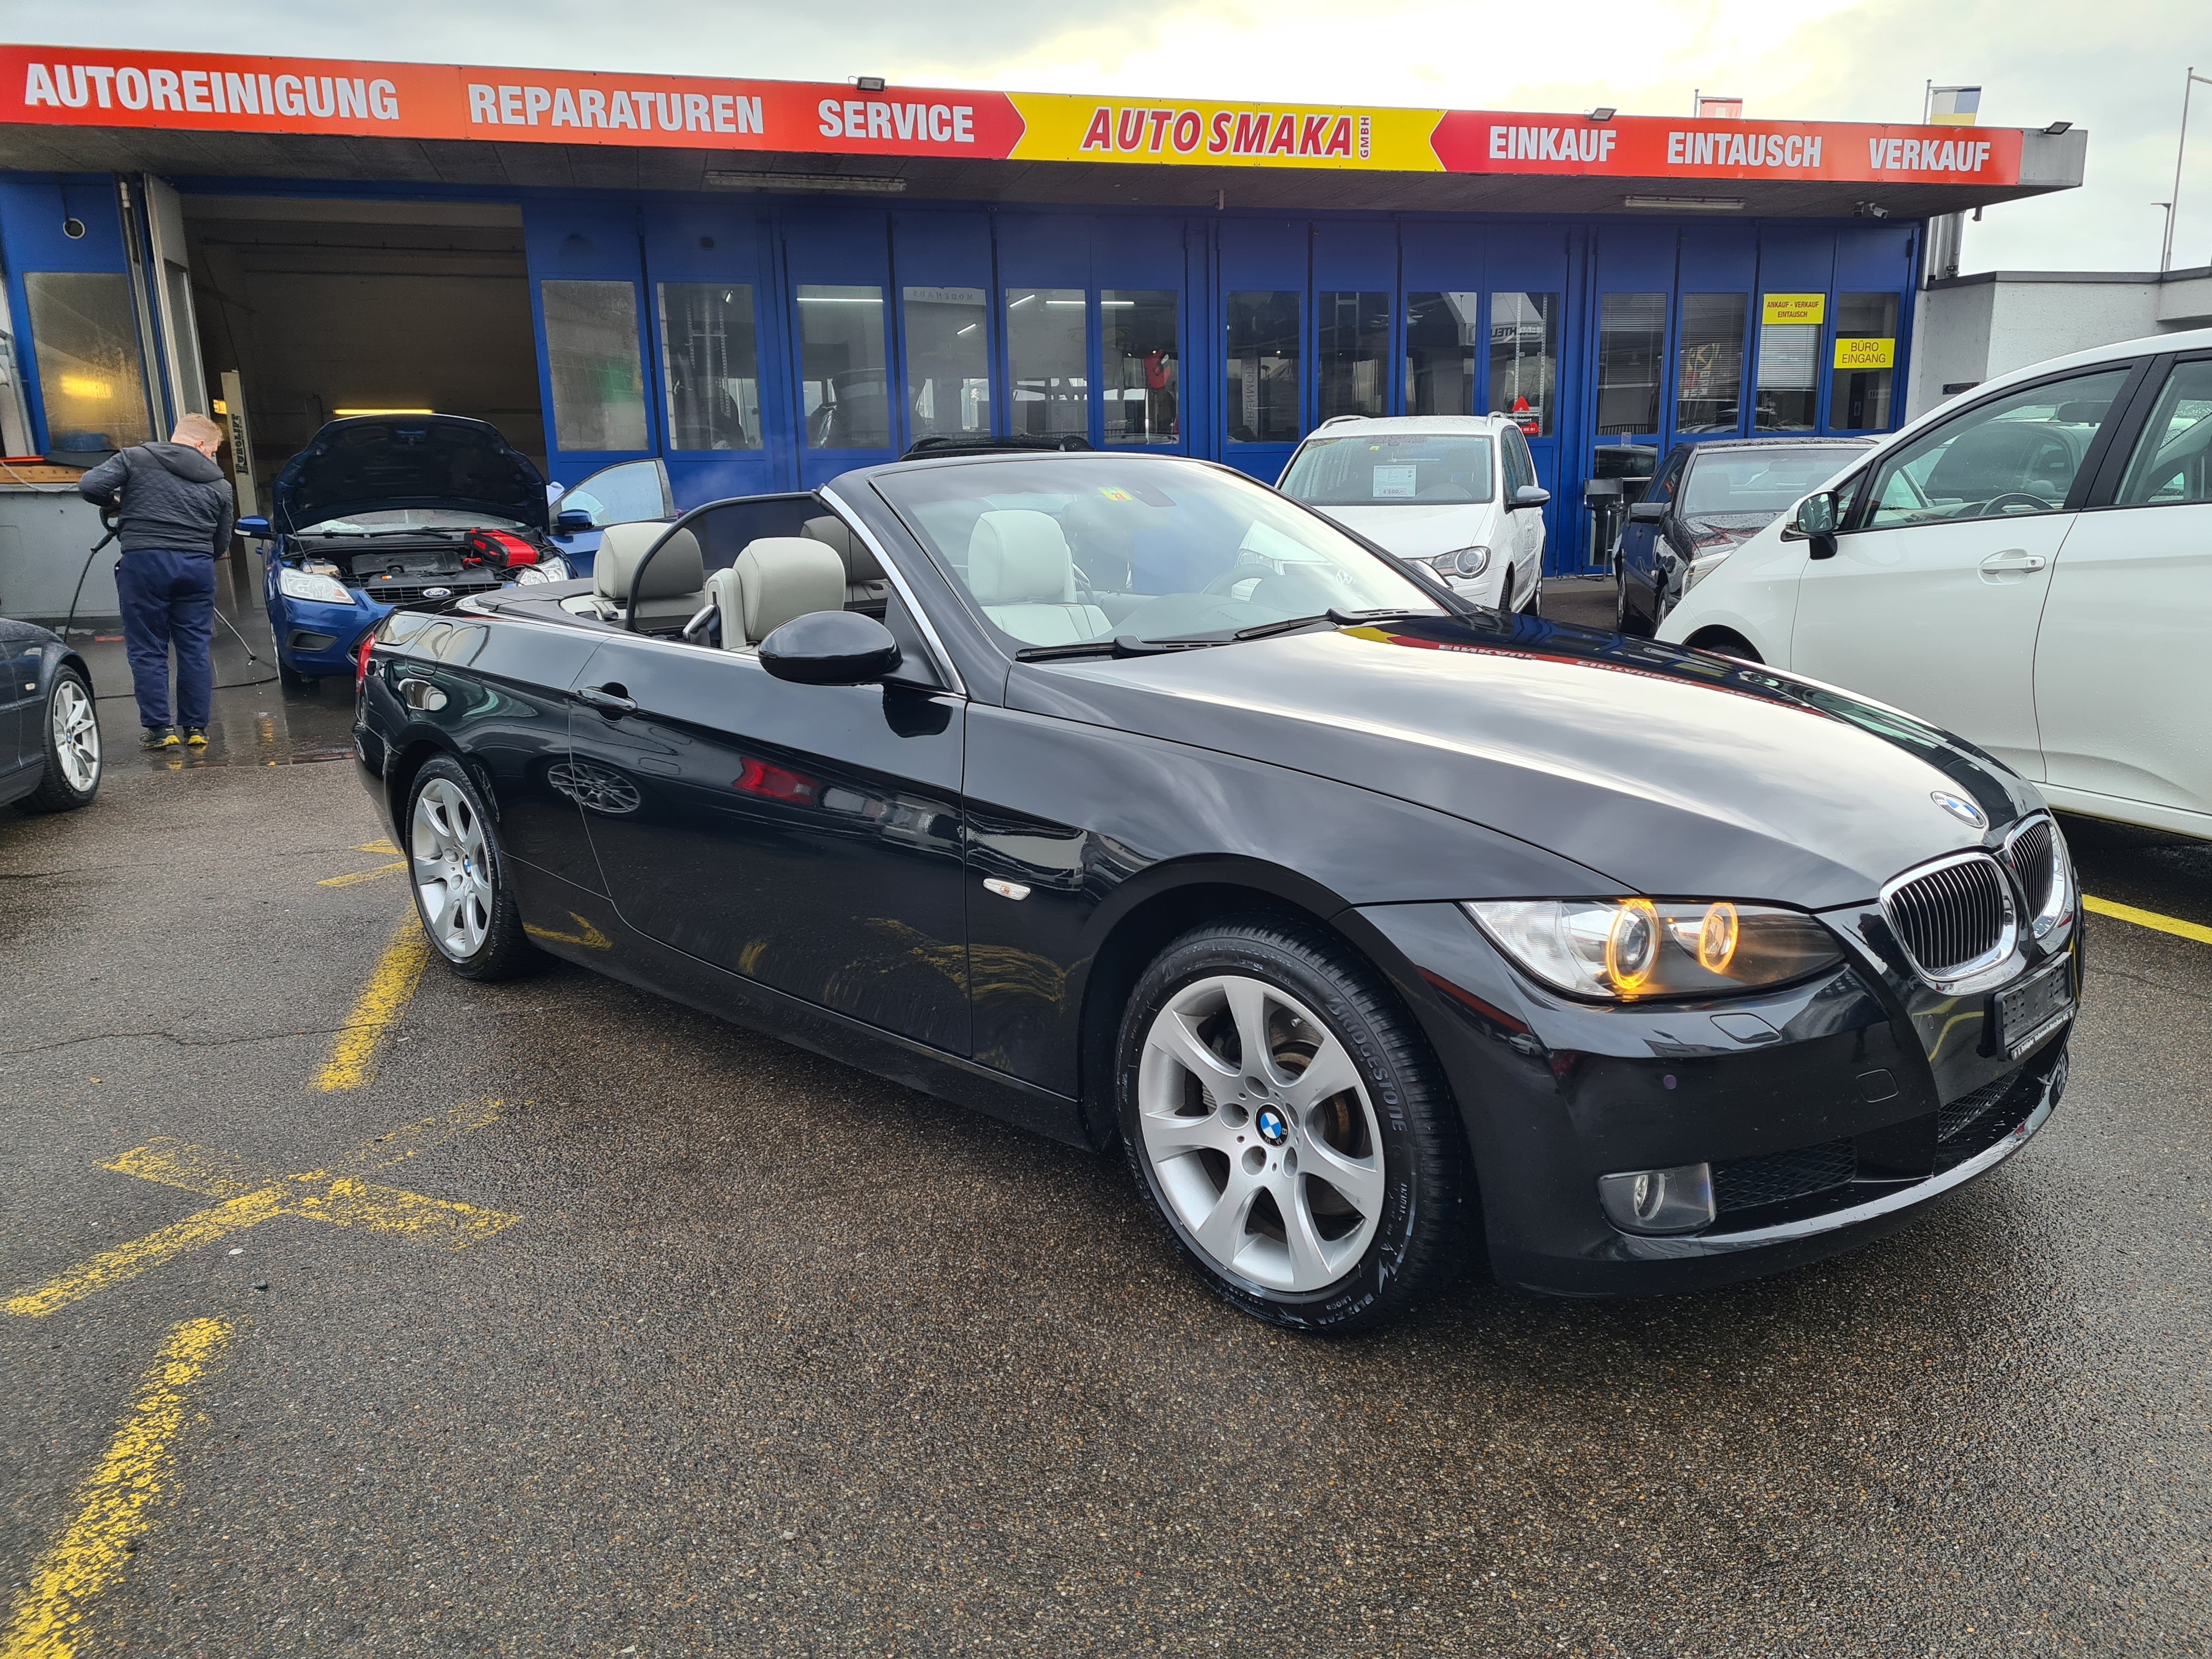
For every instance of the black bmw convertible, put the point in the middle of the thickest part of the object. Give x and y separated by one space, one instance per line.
1124 798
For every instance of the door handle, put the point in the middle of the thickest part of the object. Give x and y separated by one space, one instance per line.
611 697
2014 559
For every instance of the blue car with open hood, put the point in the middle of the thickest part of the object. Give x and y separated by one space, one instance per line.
381 512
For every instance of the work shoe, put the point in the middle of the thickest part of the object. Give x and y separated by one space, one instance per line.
158 736
196 736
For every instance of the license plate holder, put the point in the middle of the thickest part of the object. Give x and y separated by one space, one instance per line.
2025 1013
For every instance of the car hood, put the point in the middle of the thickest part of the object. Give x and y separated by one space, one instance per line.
1709 532
376 463
1417 531
1671 772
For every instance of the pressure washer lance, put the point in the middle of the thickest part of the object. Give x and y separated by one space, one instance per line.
112 525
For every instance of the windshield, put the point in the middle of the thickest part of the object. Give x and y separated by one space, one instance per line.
1384 470
409 518
1761 481
1082 548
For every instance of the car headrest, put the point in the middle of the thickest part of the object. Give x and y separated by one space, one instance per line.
1017 557
834 533
678 569
780 577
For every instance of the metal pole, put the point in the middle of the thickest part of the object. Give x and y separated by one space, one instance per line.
2190 79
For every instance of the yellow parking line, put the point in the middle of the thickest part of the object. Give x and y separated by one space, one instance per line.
352 1060
2174 924
115 1504
355 876
129 1261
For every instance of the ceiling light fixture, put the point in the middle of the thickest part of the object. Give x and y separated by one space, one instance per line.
862 182
1686 203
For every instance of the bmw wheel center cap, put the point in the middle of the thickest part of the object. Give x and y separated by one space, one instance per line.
1274 1128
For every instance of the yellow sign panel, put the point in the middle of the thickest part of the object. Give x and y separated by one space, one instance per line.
1866 353
1784 309
1058 128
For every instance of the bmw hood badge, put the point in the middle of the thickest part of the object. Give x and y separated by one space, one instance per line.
1959 808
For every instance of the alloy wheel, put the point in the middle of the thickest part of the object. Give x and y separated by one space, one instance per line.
77 736
1261 1134
452 868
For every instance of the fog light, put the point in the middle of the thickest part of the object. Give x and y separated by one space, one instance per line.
1677 1200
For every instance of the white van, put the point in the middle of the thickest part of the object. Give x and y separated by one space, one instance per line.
2029 566
1457 492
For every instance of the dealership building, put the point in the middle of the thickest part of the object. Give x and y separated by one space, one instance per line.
764 284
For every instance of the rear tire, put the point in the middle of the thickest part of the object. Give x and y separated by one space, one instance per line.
1252 1044
1626 619
458 874
294 680
73 755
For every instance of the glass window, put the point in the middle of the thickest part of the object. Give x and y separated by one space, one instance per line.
1788 376
1047 360
1519 464
948 363
1866 362
1632 352
2017 453
1524 359
1355 352
1709 385
841 374
1261 402
1142 360
2173 461
1385 471
1055 550
599 384
712 365
1440 332
1769 481
89 370
630 493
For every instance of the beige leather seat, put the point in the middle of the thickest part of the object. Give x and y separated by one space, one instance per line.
673 582
1022 573
865 584
774 580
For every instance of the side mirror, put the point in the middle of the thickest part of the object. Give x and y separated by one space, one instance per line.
572 521
1815 520
255 525
830 647
1526 497
1648 513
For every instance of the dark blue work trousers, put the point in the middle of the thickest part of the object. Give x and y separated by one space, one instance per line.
168 597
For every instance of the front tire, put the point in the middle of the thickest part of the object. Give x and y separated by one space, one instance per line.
459 874
294 680
72 746
1290 1126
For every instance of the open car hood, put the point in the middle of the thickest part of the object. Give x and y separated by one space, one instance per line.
374 462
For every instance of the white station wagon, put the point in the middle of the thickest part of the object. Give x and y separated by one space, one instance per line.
2029 565
1457 492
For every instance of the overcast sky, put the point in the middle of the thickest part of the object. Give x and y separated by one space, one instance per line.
2115 67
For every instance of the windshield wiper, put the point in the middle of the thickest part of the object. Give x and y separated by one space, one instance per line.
1334 616
1121 645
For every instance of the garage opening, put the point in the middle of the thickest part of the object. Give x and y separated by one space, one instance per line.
325 308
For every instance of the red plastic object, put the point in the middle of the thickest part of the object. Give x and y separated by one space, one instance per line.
360 658
774 783
502 547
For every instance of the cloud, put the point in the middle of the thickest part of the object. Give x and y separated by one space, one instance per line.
2115 70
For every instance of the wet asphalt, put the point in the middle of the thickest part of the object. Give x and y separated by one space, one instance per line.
780 1359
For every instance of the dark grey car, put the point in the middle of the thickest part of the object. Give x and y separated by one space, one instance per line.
49 755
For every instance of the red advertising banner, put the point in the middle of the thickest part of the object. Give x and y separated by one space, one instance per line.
69 86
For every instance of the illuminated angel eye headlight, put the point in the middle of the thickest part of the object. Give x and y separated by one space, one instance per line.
311 584
1626 949
1462 563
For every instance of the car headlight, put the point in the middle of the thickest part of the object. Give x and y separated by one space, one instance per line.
1625 950
309 585
1461 562
1701 568
551 568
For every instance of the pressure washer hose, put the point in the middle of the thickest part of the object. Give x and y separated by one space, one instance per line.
113 525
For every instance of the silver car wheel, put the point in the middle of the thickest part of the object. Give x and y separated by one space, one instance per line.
1260 1134
77 736
452 869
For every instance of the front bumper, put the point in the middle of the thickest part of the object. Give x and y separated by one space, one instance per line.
1830 1111
319 639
